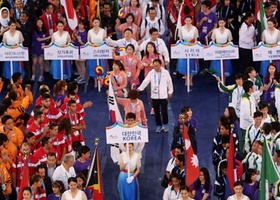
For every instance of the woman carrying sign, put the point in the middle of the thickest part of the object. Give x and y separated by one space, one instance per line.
220 36
12 37
188 33
61 38
127 182
270 36
96 35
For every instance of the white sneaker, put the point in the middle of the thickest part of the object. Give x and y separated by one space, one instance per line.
41 79
33 77
78 78
81 81
152 111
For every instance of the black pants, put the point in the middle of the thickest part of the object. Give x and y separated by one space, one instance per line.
160 105
245 60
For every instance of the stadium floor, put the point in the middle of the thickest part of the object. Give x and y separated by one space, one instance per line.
207 105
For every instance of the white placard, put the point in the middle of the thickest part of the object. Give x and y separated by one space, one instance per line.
221 52
13 53
119 133
187 50
55 52
96 51
266 52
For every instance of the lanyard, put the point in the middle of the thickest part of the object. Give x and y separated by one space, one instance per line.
129 65
134 12
131 108
159 77
177 194
156 43
152 58
221 13
70 117
125 44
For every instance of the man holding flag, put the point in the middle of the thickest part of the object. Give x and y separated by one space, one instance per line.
269 174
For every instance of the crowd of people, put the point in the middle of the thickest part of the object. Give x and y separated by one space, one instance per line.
50 141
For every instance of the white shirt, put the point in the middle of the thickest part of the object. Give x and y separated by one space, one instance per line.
247 109
160 11
61 174
170 194
161 84
246 34
251 134
171 164
123 43
160 46
151 24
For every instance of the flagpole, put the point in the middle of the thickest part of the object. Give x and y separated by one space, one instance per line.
96 141
128 164
185 152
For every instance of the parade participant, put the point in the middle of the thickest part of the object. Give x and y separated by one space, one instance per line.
270 36
147 64
96 36
49 18
73 193
132 65
26 193
135 10
134 105
81 181
128 185
59 91
59 144
83 162
42 152
79 38
118 79
235 92
58 190
37 190
185 192
39 38
65 170
129 24
49 110
61 38
130 119
173 191
18 164
250 184
202 187
238 190
161 90
188 33
152 21
77 122
12 37
247 109
38 127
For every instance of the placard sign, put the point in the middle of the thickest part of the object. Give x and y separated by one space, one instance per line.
13 53
187 50
55 52
96 51
266 52
119 133
221 52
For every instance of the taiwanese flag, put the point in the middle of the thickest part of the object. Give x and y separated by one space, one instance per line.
25 179
191 161
70 13
231 166
94 177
